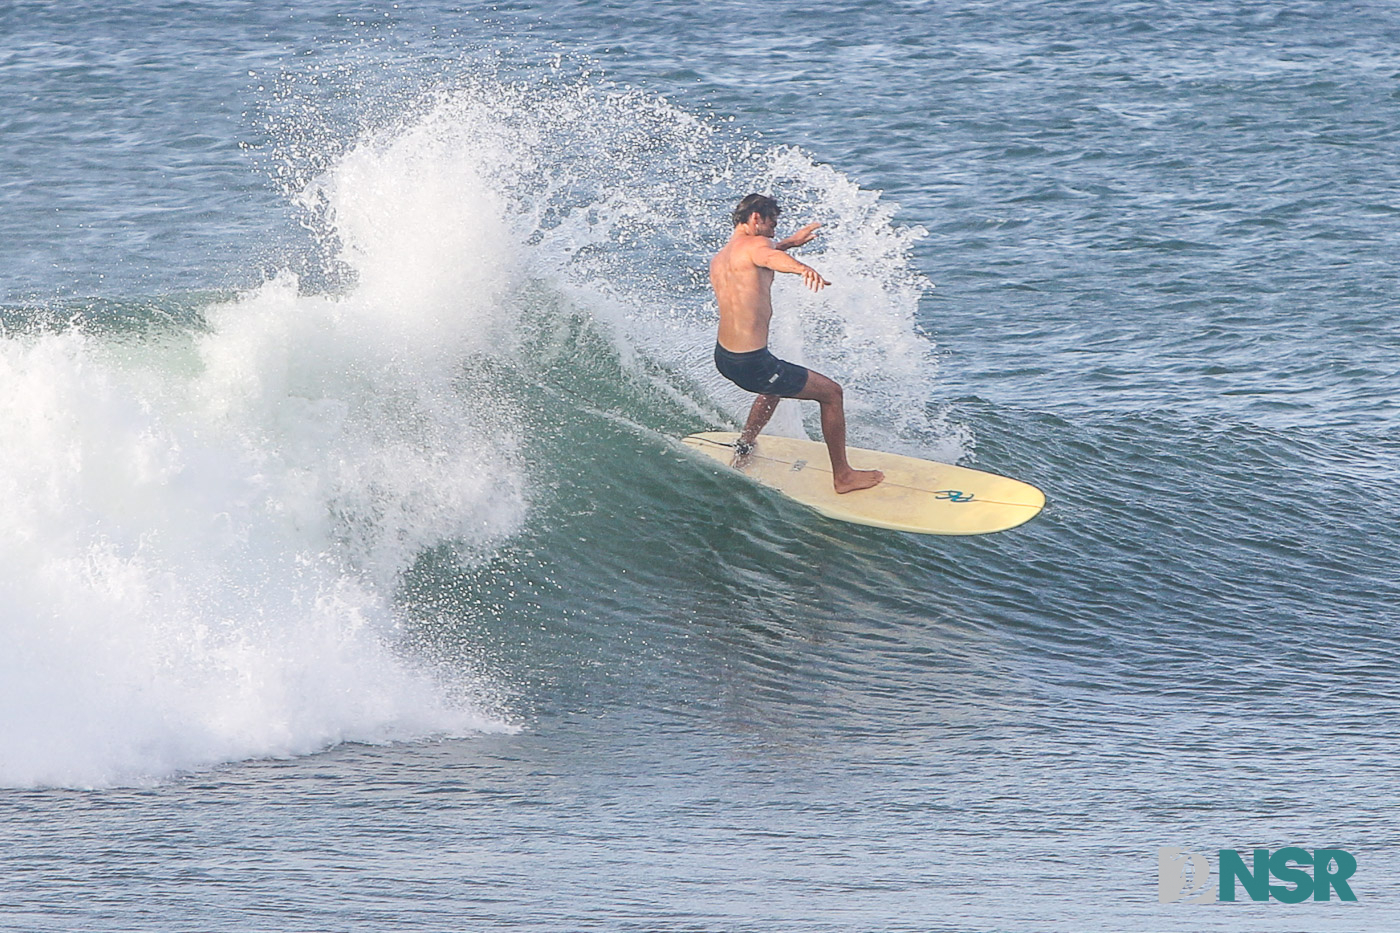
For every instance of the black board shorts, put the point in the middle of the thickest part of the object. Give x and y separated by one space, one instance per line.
761 372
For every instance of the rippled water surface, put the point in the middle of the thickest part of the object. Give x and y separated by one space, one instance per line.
354 575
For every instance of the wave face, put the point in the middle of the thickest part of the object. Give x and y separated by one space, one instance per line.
214 514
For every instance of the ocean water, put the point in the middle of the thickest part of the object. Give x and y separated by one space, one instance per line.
353 576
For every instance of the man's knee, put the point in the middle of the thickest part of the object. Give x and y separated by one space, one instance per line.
821 389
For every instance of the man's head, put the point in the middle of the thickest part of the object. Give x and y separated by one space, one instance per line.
765 207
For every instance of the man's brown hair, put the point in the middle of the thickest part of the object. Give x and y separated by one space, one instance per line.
764 206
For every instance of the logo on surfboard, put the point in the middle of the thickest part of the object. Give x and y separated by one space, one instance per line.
954 495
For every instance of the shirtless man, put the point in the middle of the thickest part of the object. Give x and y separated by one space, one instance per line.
742 276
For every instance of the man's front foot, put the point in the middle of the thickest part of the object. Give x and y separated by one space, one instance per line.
742 451
852 480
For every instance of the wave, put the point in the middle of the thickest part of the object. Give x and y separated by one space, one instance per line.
210 521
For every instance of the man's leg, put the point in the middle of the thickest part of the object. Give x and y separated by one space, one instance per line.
828 393
762 410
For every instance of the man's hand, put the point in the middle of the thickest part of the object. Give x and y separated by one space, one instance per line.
770 257
802 237
813 279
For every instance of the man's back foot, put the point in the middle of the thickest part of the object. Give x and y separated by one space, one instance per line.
852 480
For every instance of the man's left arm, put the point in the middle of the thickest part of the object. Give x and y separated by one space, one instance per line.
800 238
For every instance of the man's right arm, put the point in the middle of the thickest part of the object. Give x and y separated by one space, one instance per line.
779 261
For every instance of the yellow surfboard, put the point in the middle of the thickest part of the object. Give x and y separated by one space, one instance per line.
917 495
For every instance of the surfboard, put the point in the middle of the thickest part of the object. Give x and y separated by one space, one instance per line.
919 496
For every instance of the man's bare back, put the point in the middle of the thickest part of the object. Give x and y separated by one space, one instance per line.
742 276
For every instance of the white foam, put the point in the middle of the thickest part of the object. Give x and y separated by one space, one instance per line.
204 531
625 197
165 606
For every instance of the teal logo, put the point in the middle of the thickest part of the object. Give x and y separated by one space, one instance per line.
1300 875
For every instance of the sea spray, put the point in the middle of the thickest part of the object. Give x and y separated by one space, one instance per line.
165 606
205 534
207 525
616 199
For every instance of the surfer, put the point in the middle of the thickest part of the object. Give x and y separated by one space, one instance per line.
742 276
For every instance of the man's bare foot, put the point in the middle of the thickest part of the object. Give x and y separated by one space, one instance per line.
857 479
743 450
